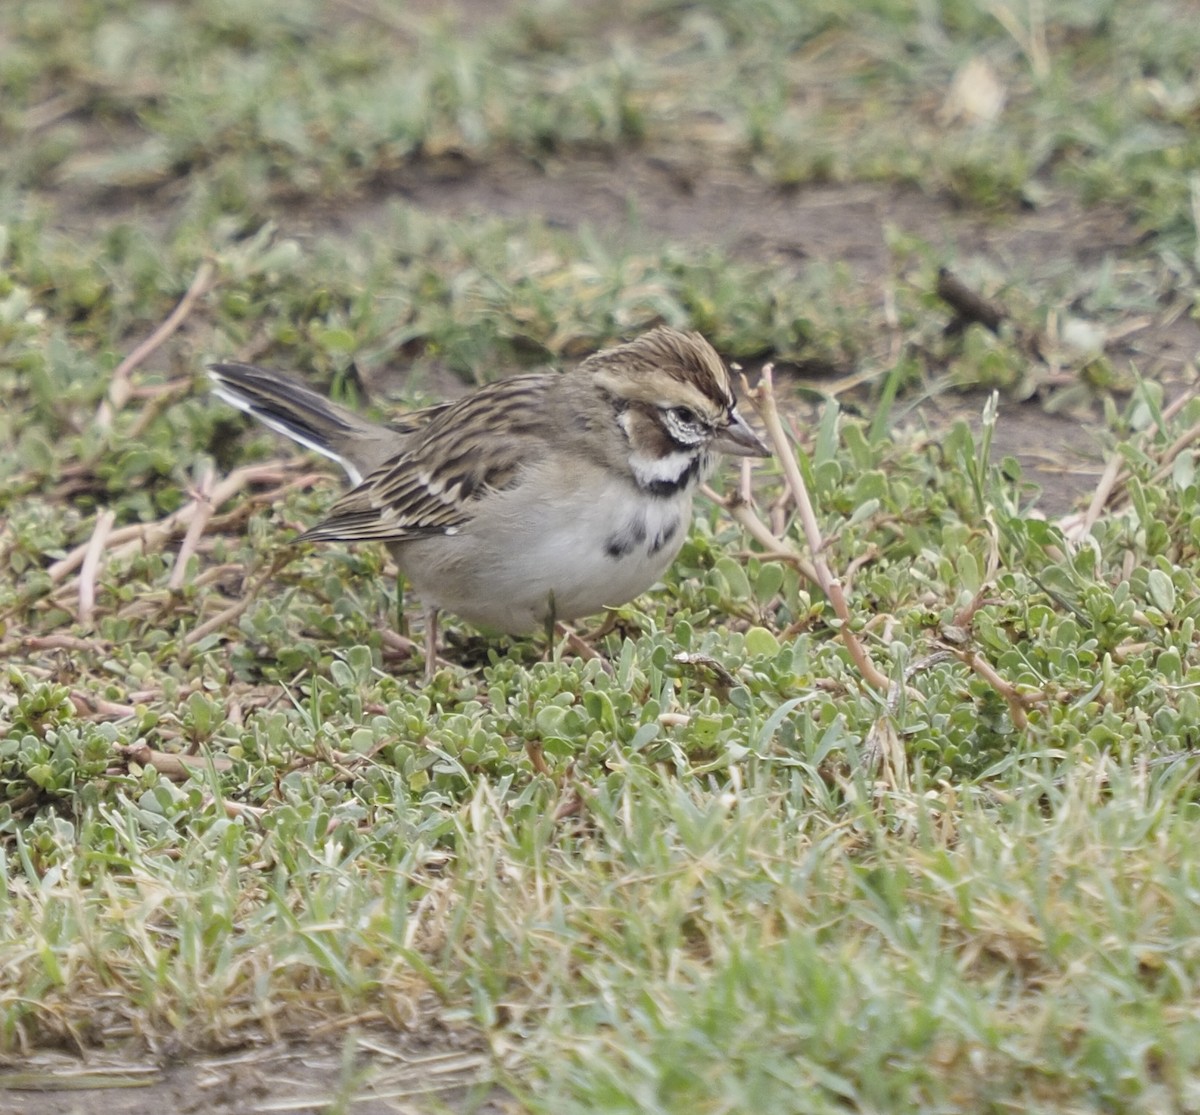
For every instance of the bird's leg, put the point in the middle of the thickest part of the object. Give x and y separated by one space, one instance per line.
401 618
394 630
551 622
533 747
431 641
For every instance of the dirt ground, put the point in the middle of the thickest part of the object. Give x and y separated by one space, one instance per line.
369 1073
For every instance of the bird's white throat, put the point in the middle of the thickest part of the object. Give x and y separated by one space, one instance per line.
683 468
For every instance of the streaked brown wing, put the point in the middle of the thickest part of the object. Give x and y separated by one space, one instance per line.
465 450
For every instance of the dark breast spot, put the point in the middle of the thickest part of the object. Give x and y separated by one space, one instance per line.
623 542
665 534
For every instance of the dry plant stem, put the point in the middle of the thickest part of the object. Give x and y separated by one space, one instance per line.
745 487
163 396
202 509
1175 448
63 642
969 305
778 514
1108 480
119 388
171 526
537 758
52 110
965 616
1114 478
575 642
91 566
235 609
763 398
239 810
178 768
1123 652
89 705
217 572
1170 410
865 558
399 644
23 799
342 761
569 805
1016 701
431 642
776 548
147 536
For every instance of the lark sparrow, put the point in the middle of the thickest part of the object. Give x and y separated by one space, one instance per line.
536 498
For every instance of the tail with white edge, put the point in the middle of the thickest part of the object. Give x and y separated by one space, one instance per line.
285 405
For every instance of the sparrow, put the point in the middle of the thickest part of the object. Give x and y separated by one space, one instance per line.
530 500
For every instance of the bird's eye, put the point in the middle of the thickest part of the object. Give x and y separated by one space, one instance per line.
685 416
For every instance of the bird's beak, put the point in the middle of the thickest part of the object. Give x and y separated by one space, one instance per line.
739 440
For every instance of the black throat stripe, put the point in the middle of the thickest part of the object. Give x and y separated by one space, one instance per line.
664 488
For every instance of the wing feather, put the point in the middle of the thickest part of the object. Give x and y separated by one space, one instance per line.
463 451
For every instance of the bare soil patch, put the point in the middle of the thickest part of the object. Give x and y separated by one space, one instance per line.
675 198
372 1074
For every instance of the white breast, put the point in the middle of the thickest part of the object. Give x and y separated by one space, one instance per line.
575 544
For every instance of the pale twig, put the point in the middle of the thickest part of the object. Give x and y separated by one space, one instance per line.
52 110
64 567
227 615
400 646
1167 458
202 509
778 514
145 696
147 536
240 810
178 768
745 486
1123 652
88 704
776 548
1174 407
158 397
1114 479
91 565
1108 480
344 762
575 642
763 398
217 572
63 642
119 388
870 554
1016 700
